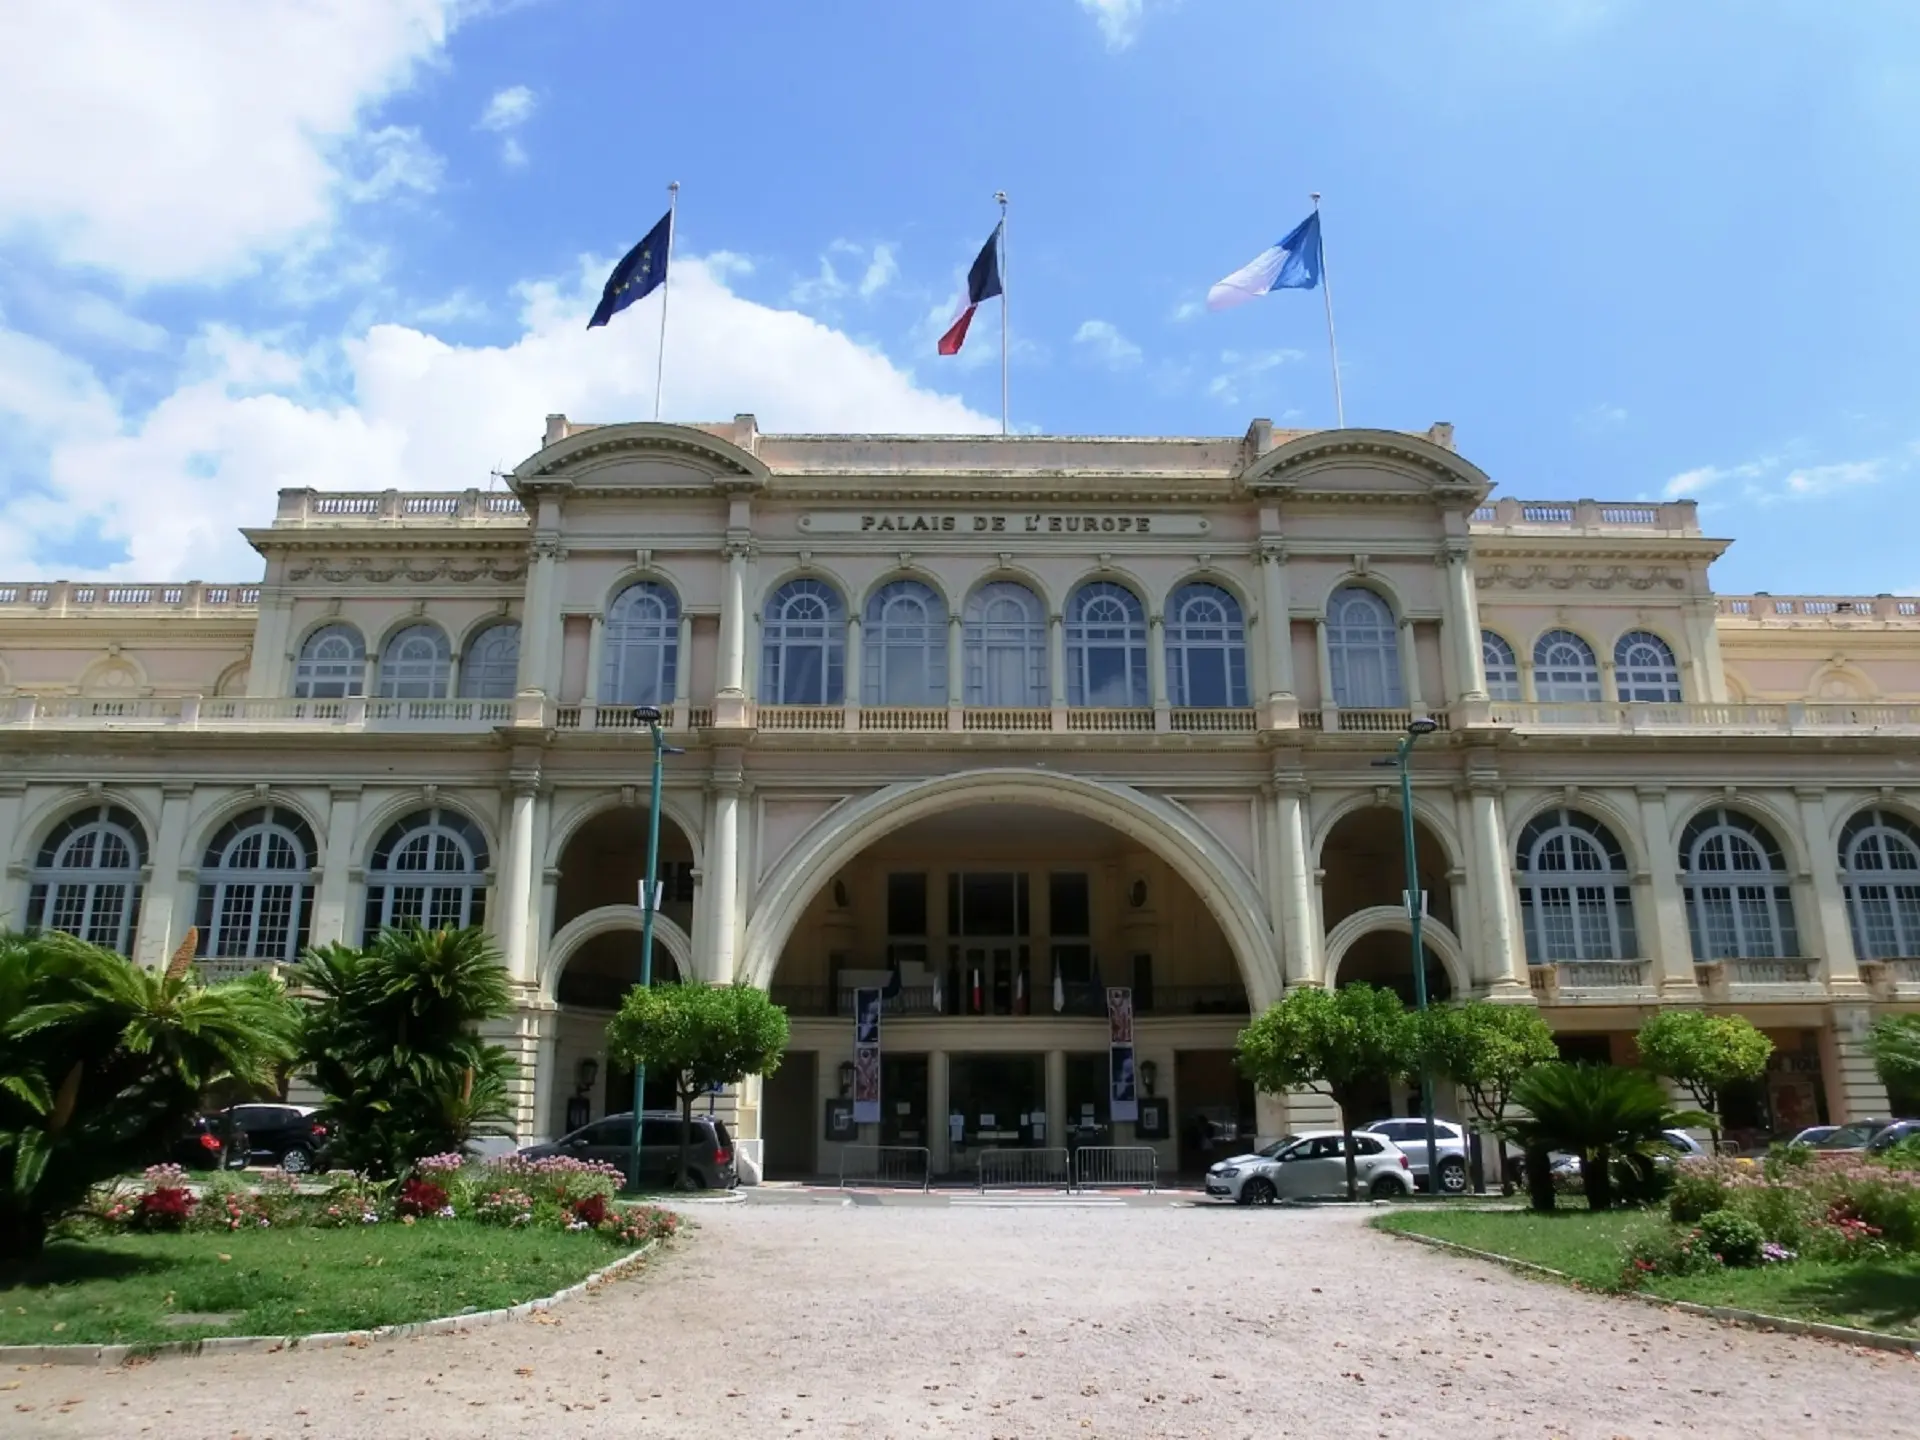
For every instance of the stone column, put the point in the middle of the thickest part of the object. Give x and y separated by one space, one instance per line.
596 657
1157 672
1276 619
543 1027
939 1100
683 671
1503 962
731 699
1056 1106
1671 950
15 855
1324 658
1825 932
852 697
272 638
170 872
1410 668
723 869
1057 660
956 670
1703 640
515 880
1528 692
1300 937
331 920
541 642
1463 623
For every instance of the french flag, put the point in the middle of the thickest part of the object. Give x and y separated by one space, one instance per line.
983 283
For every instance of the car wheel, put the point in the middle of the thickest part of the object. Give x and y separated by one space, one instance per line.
1258 1191
1383 1188
1453 1176
692 1180
296 1161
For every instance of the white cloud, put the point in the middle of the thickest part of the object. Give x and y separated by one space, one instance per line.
513 154
391 159
1188 310
1103 342
179 141
1705 477
251 415
1815 480
882 271
1119 20
878 266
1244 369
1602 417
508 109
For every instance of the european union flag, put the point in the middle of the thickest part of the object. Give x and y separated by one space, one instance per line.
641 271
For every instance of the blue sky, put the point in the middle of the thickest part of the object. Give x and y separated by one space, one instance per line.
1629 249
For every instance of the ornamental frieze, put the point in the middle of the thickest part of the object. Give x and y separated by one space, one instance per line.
383 573
1553 577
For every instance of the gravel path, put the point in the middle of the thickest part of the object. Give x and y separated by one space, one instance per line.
835 1320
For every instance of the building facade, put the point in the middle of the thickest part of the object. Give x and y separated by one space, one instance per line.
995 723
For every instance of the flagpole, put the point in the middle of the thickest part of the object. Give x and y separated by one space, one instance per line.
1333 346
1001 196
666 284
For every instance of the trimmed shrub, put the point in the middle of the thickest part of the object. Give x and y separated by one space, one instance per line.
1697 1190
1732 1237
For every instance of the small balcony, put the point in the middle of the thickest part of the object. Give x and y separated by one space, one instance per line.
1895 979
1761 978
1568 982
1079 999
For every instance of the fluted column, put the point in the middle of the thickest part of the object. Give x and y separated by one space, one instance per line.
330 918
540 639
1826 933
856 659
1276 621
515 881
1671 951
1410 668
1057 660
722 883
1303 962
596 658
683 670
1504 958
154 939
956 670
1323 657
1463 624
731 698
1157 672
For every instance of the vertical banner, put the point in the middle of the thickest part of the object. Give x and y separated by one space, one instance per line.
866 1057
1123 1093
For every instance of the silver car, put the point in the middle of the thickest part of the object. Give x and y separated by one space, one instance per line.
1449 1143
1311 1166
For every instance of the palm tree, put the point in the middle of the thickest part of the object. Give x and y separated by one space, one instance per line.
1601 1113
102 1063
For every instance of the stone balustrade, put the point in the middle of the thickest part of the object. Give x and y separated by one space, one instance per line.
350 508
1823 611
86 597
1653 518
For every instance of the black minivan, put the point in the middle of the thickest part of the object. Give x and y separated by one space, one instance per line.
610 1139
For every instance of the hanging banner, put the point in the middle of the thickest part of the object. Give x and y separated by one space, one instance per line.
1123 1094
866 1057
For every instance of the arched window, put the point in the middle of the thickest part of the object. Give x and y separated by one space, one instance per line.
1206 640
1106 648
491 667
256 888
1739 903
1363 647
641 656
416 665
1564 670
1576 897
1503 670
905 640
332 664
428 869
804 655
1880 865
86 880
1005 633
1644 668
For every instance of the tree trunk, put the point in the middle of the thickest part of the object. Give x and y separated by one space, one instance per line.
1353 1170
680 1170
1596 1178
1540 1179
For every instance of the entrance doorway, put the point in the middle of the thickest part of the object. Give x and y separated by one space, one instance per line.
903 1100
1215 1108
998 1099
790 1101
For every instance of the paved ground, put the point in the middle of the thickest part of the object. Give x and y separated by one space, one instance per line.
1050 1319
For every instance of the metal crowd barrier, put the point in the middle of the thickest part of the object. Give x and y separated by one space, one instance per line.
1025 1169
1130 1166
910 1165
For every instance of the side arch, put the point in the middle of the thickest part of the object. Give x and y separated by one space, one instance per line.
1426 810
608 920
1193 852
1441 939
673 808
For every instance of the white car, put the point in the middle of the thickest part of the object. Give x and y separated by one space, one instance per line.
1449 1143
1311 1166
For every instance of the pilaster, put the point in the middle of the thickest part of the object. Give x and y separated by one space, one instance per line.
1827 926
169 877
1672 949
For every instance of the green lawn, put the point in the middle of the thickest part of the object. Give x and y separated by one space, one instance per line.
285 1282
1866 1294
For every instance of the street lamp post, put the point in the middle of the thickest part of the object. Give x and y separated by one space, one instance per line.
1419 726
648 715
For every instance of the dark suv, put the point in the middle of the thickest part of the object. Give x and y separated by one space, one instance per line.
283 1135
709 1148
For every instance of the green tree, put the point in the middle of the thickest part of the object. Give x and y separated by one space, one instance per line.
701 1035
1342 1043
1704 1054
102 1064
389 1039
1600 1113
1894 1043
1485 1049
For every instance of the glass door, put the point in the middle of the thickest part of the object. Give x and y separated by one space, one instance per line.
903 1099
997 1098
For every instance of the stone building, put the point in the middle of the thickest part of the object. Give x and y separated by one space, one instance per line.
995 723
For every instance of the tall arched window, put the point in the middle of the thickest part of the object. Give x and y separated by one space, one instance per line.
428 869
1005 633
1503 670
1206 640
905 646
641 655
1644 668
1576 897
1106 648
1363 647
256 888
1739 901
417 664
804 650
332 664
1880 865
1564 670
491 667
86 880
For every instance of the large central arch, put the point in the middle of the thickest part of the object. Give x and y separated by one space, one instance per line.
1175 836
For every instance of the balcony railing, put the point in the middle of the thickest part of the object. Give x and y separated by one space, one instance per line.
1369 722
186 598
1718 976
241 712
1079 999
624 717
1820 610
1562 975
1661 518
1816 717
400 507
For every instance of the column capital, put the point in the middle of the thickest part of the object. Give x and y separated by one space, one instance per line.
737 549
1270 552
1651 792
1815 793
